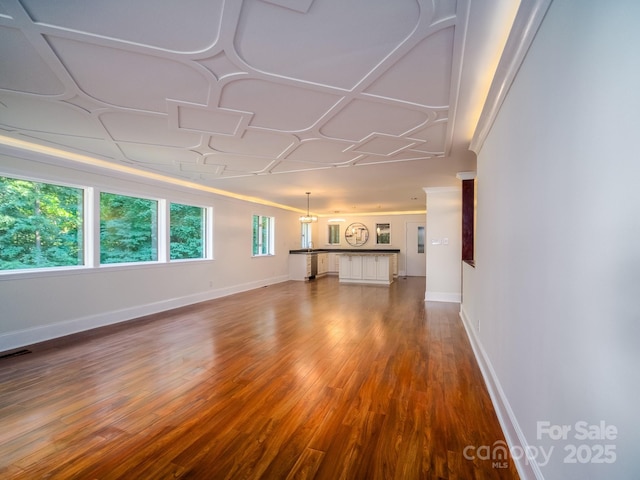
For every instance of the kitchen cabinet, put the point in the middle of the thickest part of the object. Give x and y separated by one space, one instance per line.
323 263
307 265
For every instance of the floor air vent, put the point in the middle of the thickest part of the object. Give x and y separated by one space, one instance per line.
15 354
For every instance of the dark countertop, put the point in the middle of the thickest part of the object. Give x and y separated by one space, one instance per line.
345 250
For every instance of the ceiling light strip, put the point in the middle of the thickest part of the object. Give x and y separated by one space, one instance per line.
95 162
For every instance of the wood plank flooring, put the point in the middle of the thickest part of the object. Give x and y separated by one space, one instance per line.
295 380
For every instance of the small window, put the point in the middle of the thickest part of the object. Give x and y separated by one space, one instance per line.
263 235
383 233
420 239
187 231
334 234
40 225
128 229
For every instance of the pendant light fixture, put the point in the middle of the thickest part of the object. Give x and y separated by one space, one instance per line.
308 218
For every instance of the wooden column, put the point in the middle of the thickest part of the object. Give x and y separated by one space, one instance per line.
468 214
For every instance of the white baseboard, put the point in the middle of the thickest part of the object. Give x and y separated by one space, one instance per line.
513 433
451 297
30 336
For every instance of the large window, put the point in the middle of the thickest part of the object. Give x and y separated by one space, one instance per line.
263 233
187 231
128 229
40 225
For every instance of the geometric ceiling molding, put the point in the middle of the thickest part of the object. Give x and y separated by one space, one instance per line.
170 26
84 102
254 142
145 128
265 100
220 66
443 10
433 137
404 157
300 6
322 151
197 118
295 166
211 169
238 163
151 154
381 117
377 144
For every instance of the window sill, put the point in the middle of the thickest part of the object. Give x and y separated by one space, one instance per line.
9 275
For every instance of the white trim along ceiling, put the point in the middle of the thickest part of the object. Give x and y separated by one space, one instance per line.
361 102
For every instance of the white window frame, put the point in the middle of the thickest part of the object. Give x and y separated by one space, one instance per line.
207 232
270 236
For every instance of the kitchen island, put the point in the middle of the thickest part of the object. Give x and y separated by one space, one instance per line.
306 264
366 267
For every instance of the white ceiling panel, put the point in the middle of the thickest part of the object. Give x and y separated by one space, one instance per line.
30 113
167 25
34 76
254 142
423 75
335 42
130 79
267 99
385 118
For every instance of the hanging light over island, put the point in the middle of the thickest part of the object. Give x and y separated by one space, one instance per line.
308 218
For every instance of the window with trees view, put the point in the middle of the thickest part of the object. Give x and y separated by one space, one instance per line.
45 225
128 229
187 231
262 235
41 225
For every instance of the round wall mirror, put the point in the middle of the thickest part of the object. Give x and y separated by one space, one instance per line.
356 234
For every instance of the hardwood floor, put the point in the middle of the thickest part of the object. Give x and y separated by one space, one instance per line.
296 380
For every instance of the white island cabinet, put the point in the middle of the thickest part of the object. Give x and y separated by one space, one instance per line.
372 268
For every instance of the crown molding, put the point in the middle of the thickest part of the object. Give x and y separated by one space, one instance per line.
525 26
431 190
466 175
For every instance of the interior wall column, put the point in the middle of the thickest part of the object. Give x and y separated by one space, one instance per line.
443 244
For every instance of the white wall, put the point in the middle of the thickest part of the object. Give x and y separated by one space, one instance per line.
36 307
444 244
398 233
557 278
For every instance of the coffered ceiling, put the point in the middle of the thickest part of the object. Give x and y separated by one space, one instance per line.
361 102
